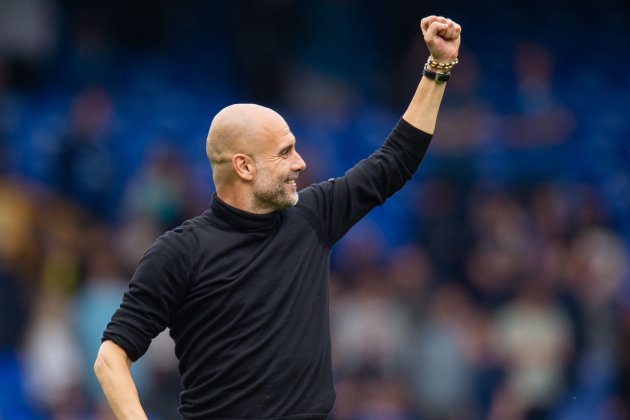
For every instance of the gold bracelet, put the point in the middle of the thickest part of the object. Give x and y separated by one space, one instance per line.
442 66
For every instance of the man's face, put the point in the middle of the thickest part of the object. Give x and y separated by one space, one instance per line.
277 169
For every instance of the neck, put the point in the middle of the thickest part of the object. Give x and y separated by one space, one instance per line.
227 217
242 200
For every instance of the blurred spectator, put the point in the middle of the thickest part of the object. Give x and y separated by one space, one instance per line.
542 120
466 123
596 266
369 328
409 275
534 338
61 240
595 269
358 253
378 397
503 250
551 213
53 360
540 125
134 237
85 168
441 227
160 192
441 371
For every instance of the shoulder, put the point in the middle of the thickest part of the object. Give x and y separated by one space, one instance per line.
181 239
312 197
312 204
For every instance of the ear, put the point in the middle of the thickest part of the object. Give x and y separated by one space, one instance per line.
244 166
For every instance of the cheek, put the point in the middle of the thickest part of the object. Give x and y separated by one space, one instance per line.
269 179
273 174
278 174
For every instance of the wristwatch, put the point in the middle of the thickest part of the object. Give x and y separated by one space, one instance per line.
437 77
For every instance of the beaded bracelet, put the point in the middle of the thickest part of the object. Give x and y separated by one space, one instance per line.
442 66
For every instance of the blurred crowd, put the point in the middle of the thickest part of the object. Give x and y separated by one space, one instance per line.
495 285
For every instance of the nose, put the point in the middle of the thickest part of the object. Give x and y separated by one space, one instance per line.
298 163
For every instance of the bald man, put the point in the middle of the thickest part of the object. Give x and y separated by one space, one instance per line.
243 288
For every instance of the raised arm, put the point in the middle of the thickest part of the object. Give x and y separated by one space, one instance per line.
340 203
112 370
442 38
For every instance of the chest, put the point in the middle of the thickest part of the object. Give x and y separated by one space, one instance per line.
253 270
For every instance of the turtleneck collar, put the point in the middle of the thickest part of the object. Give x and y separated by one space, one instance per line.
227 217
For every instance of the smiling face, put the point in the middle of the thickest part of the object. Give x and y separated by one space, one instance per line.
277 168
253 157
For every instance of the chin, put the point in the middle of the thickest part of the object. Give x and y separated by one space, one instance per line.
289 203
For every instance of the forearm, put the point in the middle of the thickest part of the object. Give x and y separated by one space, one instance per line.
112 370
442 37
423 110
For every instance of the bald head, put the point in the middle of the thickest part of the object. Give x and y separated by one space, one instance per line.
238 128
255 163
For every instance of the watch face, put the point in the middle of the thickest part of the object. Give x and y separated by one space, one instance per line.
437 77
442 77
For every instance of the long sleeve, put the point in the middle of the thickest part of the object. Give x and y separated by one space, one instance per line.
334 206
157 289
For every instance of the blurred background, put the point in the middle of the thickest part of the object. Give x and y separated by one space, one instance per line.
495 285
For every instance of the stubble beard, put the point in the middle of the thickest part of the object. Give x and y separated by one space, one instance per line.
270 193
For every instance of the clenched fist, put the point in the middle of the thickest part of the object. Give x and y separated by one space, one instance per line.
442 37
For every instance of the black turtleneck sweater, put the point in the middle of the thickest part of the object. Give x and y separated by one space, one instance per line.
246 296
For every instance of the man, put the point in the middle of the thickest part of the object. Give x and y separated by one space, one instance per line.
244 287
